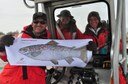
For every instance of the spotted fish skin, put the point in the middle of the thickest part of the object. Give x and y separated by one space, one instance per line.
53 53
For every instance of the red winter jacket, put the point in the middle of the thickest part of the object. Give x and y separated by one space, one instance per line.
14 74
101 37
68 31
68 35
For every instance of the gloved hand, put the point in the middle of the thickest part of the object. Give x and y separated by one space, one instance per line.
51 70
7 40
91 46
2 48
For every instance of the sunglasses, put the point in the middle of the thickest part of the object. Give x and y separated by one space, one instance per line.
41 22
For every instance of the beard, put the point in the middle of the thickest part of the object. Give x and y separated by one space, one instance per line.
65 26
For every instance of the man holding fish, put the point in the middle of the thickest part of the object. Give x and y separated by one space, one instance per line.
26 74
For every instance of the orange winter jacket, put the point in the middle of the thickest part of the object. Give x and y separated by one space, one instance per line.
14 74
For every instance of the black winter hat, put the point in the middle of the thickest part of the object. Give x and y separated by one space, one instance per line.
65 13
94 14
39 15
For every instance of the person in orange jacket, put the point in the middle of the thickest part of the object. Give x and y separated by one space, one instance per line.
25 74
98 31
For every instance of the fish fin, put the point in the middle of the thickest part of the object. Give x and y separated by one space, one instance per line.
34 54
52 42
69 60
54 61
83 54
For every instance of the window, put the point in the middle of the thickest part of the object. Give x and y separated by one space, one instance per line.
80 13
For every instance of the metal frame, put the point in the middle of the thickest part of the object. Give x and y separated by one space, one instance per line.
118 28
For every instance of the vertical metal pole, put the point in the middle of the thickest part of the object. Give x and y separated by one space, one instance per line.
36 7
117 42
123 30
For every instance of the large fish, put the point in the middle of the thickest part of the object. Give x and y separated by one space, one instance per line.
53 52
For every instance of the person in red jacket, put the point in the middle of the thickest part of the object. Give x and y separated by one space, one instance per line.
66 26
25 74
98 31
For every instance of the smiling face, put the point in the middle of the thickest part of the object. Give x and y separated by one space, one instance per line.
93 21
38 25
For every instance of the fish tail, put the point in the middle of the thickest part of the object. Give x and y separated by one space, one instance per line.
83 55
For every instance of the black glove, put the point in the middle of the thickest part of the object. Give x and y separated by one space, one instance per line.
2 48
7 40
51 70
92 46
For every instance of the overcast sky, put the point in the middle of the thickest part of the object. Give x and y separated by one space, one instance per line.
14 15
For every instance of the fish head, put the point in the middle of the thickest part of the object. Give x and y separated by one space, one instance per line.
24 50
31 51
